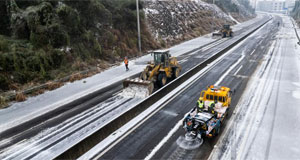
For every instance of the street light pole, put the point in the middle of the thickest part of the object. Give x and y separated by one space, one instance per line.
138 26
212 22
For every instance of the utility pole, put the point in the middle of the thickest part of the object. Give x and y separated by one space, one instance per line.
212 22
138 26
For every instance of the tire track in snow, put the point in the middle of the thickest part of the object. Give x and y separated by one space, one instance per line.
275 109
250 120
264 112
42 143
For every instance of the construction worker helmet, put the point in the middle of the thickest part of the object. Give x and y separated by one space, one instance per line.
201 99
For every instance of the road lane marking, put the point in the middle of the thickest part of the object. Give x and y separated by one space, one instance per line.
230 69
252 52
165 139
238 70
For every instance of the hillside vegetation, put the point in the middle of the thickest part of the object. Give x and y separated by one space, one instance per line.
39 40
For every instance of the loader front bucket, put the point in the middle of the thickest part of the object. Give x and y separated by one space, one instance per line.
139 83
216 35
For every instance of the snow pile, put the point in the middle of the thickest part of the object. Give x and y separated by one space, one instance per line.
133 90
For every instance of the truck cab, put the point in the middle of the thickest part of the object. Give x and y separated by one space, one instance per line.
220 93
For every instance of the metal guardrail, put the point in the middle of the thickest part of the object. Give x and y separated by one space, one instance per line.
295 28
99 135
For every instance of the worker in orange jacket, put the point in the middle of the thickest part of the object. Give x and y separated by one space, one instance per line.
126 63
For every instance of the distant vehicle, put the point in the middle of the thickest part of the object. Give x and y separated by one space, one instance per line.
198 124
226 31
158 71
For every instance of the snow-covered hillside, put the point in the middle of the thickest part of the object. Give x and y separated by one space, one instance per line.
175 20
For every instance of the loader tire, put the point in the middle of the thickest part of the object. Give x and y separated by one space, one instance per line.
224 35
162 79
176 73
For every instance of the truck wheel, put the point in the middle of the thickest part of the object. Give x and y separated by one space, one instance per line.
216 131
162 79
175 73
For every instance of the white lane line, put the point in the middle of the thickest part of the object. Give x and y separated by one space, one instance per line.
165 139
212 45
252 52
238 70
183 60
229 70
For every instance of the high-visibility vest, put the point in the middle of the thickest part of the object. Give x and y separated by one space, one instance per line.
212 107
210 104
200 105
126 61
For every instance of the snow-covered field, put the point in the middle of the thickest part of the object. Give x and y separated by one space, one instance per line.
265 123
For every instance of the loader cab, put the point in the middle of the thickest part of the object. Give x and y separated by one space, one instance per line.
161 57
226 26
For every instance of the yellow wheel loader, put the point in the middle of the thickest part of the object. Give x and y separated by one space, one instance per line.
157 72
226 31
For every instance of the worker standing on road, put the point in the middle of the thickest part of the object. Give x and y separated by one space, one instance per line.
211 107
200 105
126 63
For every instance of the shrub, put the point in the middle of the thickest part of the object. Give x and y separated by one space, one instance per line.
4 45
4 83
70 18
3 102
57 57
20 97
57 36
